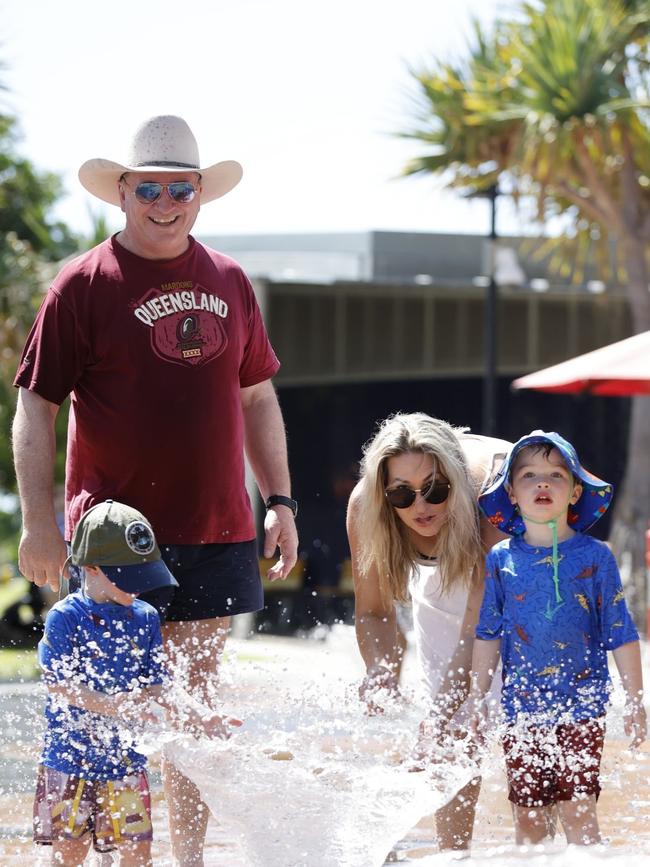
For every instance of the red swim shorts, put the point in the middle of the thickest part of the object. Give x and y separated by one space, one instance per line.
557 763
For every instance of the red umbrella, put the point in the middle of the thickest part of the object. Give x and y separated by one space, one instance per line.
622 368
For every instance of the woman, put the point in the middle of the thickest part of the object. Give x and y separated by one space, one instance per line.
414 529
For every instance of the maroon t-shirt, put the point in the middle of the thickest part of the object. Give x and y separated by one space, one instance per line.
154 355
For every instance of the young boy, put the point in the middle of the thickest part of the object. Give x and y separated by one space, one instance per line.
101 655
553 607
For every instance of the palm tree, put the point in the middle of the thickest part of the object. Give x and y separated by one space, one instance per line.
556 99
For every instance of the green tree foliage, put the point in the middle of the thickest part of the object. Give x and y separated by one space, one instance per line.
554 101
31 245
26 197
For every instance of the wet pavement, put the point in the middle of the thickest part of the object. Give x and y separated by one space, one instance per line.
624 807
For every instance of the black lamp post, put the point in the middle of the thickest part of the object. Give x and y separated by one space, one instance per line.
490 325
490 328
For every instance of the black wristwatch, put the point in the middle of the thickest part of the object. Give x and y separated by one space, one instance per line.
279 500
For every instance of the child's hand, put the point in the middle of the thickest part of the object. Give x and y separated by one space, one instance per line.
213 725
478 718
635 722
135 706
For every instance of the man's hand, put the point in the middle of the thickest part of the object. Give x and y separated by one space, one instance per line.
41 557
280 532
266 449
42 551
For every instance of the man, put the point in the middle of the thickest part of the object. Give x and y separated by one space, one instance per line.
160 343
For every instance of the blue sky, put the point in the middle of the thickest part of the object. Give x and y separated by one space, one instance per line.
304 94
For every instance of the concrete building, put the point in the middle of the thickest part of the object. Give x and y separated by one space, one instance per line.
367 324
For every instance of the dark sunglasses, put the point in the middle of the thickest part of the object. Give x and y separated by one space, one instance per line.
148 192
403 497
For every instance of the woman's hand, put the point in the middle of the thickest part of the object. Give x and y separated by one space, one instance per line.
430 747
441 741
379 687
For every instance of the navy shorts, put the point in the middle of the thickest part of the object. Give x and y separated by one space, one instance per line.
214 580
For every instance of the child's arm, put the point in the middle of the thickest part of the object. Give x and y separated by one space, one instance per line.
192 716
135 705
628 662
131 705
485 659
181 709
487 644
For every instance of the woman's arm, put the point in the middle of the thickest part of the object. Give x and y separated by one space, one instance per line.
375 620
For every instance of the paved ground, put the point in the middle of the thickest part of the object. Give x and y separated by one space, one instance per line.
624 807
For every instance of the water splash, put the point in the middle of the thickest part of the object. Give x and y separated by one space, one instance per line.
311 779
301 715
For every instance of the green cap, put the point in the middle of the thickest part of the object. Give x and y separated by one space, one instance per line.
121 541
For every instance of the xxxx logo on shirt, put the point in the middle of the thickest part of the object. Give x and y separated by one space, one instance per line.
186 322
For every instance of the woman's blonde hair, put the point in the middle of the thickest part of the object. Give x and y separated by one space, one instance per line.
384 540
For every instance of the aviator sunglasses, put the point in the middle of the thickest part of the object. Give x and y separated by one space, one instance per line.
403 496
148 192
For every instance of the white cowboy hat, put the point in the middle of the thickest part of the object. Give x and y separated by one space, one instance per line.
163 144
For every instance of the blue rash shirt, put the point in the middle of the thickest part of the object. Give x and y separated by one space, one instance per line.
554 653
105 647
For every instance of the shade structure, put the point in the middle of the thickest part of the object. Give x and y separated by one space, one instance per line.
619 369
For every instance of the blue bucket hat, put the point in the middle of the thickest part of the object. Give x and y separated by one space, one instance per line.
592 504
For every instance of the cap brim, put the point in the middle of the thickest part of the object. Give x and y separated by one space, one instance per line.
141 577
100 177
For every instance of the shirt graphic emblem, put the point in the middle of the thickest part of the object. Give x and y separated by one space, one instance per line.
186 326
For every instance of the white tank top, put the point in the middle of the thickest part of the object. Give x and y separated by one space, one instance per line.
437 618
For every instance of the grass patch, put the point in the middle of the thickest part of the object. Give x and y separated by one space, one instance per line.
18 666
11 591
